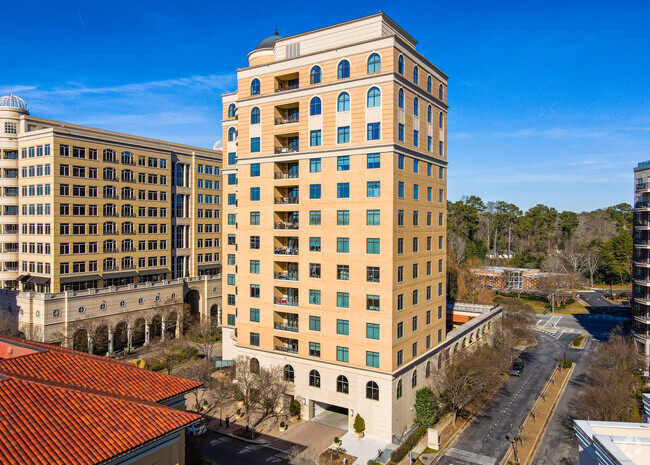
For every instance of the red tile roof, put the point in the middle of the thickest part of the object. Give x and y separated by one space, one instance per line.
42 423
81 370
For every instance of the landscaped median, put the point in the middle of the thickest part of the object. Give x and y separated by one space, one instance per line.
532 432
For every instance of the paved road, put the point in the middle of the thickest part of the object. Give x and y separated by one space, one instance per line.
483 442
596 303
559 446
224 450
597 326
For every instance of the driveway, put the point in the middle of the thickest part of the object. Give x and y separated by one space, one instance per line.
313 437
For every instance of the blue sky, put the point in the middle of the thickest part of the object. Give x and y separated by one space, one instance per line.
549 101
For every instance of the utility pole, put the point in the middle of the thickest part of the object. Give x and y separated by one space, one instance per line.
496 236
509 237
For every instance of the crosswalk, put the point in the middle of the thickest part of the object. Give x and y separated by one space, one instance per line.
470 457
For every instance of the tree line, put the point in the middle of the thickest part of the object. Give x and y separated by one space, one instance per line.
594 244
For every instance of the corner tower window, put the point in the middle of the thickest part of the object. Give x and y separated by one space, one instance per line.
255 86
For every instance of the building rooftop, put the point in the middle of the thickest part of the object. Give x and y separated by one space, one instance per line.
74 369
615 442
58 406
13 101
269 41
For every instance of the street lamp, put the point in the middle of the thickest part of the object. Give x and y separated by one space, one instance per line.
513 441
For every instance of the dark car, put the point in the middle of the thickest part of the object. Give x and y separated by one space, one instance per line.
517 368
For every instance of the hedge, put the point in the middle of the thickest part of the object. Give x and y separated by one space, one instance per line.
409 444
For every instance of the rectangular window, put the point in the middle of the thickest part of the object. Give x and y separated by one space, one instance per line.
231 319
314 323
372 217
416 244
343 134
255 315
232 158
400 217
314 296
440 335
400 330
400 161
373 161
255 266
372 330
255 291
416 192
429 194
372 359
255 218
416 218
231 279
255 339
232 179
255 194
314 270
343 217
343 244
315 138
400 302
314 191
400 245
400 189
314 165
314 349
400 274
428 317
372 274
439 289
343 190
374 131
314 218
428 292
255 170
416 138
414 349
255 144
255 242
441 195
440 148
416 271
400 359
314 244
440 172
374 189
440 312
372 245
343 327
342 354
343 299
429 144
343 163
372 302
343 272
400 134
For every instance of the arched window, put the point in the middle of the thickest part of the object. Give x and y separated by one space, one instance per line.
374 97
414 378
232 135
440 120
429 84
400 64
440 92
289 374
374 63
342 385
399 388
416 107
343 102
400 99
429 114
372 390
314 106
255 86
109 264
255 116
427 370
231 110
416 74
344 69
255 365
314 75
127 263
314 378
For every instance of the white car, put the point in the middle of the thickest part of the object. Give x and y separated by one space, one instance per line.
197 429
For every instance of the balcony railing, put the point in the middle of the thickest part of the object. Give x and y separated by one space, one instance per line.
288 301
286 275
286 148
285 225
128 197
286 175
128 249
292 350
642 186
286 251
111 196
641 223
128 267
286 200
287 120
285 327
109 177
282 88
10 268
111 250
111 268
642 205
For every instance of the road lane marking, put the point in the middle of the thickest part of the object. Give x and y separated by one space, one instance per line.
471 457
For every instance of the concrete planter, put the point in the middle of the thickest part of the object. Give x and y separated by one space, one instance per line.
358 434
282 428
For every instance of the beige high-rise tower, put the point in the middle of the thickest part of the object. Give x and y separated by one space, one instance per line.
335 201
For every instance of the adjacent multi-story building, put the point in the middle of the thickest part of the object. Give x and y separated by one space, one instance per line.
84 209
335 201
641 262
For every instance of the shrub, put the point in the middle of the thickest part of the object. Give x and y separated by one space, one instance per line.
359 424
188 352
336 440
426 408
294 408
566 363
409 444
373 462
282 424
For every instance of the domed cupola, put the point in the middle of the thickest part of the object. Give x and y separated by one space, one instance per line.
263 53
269 41
13 101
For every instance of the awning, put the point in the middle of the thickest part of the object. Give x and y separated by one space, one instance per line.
156 271
214 266
38 280
80 279
121 274
23 277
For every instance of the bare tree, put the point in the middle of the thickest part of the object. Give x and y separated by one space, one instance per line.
576 261
8 322
274 388
457 245
592 261
206 335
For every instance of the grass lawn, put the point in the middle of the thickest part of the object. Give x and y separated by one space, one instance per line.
539 307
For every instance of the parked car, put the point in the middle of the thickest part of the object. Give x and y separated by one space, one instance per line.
517 368
198 428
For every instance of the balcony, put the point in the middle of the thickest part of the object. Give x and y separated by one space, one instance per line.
286 87
286 148
111 250
286 275
111 268
643 186
286 251
286 174
642 205
287 120
642 300
111 177
288 348
285 225
642 243
286 301
111 196
643 262
286 200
